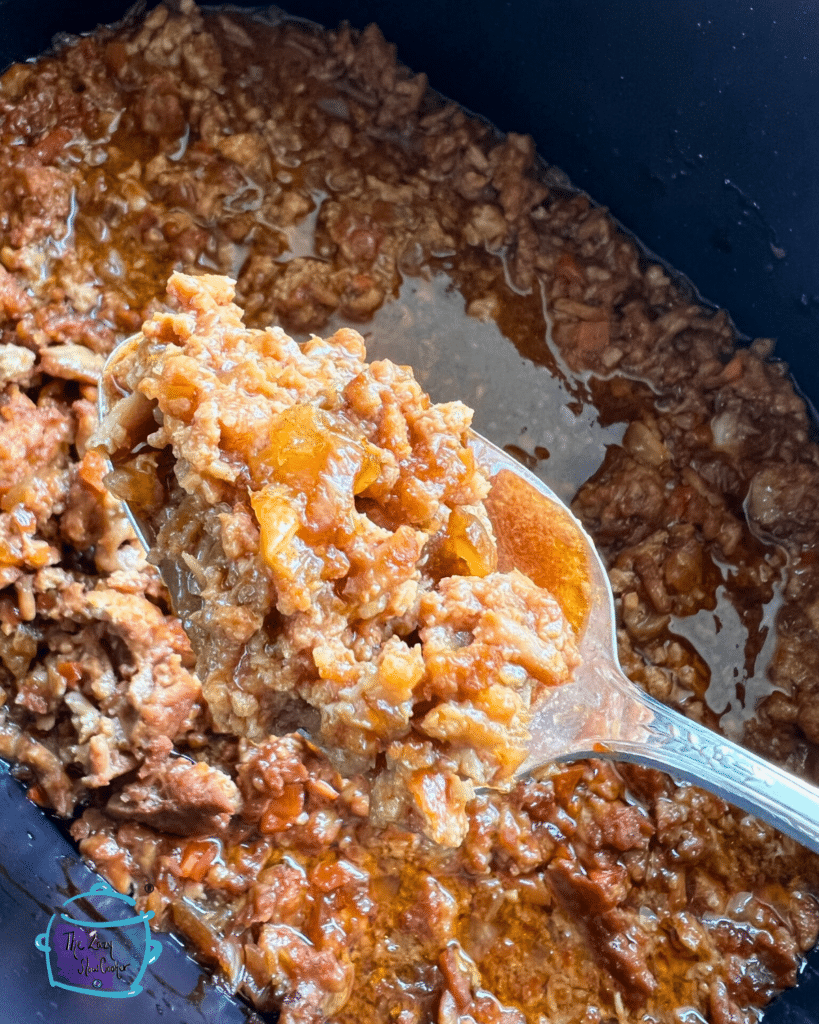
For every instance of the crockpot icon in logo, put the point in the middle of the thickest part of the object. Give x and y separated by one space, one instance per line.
94 944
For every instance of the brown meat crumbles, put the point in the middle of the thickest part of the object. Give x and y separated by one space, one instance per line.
325 513
336 188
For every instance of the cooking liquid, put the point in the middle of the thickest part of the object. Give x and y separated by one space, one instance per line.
559 423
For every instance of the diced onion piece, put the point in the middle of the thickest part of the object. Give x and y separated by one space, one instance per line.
500 703
137 483
469 540
180 395
441 799
303 441
370 468
194 924
299 444
283 808
181 390
197 858
463 724
278 521
400 669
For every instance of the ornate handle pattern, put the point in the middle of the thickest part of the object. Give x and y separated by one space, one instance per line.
687 750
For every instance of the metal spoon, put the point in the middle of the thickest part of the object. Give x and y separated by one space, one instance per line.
601 713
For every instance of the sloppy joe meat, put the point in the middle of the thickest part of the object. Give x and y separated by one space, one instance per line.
336 188
359 505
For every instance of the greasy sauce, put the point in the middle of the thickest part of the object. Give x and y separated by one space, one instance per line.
565 424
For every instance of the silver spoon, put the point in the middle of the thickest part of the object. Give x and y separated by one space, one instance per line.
601 713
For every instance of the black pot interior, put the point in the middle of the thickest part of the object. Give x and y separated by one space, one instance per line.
696 124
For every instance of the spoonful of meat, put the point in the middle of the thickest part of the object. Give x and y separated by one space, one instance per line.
353 561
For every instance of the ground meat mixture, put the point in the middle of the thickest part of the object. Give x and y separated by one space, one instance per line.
336 188
326 512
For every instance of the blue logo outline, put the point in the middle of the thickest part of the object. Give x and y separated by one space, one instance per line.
152 947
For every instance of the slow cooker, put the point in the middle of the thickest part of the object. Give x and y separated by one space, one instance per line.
696 124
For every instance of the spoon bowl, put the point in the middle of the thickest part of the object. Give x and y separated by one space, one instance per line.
600 713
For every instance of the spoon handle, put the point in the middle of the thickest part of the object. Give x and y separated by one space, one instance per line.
696 754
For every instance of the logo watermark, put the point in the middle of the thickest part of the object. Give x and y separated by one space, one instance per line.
105 954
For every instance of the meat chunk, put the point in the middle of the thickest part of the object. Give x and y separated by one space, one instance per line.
783 501
178 797
32 438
